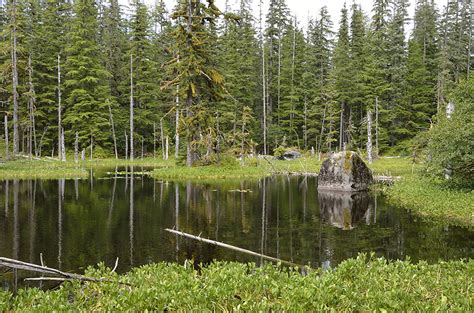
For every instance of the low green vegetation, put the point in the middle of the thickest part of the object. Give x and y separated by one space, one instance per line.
253 168
394 167
44 169
361 284
434 198
54 169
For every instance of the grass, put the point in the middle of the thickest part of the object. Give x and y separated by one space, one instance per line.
47 168
250 168
432 198
44 169
362 284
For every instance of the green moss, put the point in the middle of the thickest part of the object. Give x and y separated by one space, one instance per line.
362 284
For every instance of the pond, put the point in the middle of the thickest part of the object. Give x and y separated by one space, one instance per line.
77 223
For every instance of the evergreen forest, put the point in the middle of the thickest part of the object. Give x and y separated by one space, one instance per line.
89 78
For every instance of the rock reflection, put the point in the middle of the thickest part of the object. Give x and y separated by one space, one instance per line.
344 210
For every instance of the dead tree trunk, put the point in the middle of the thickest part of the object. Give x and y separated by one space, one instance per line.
111 117
92 146
162 137
190 132
76 148
322 130
264 87
31 110
341 129
369 137
376 127
16 137
126 146
154 140
131 108
7 152
176 148
60 136
63 146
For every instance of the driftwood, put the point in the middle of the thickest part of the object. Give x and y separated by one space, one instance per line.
64 276
227 246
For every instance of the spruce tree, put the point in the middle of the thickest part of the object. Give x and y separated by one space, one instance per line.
54 24
316 79
85 80
343 78
195 71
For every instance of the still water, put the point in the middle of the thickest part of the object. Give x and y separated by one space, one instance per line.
76 223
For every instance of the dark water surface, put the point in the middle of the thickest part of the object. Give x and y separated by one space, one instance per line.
76 223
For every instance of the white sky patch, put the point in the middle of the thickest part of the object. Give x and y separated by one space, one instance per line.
305 9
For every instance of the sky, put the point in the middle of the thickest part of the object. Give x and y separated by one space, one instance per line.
309 8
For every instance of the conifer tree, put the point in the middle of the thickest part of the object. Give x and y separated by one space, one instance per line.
54 24
316 79
343 78
86 80
195 71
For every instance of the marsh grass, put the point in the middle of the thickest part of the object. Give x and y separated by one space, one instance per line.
362 284
435 199
47 168
248 168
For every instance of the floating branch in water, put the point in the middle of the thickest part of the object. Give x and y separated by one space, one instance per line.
227 246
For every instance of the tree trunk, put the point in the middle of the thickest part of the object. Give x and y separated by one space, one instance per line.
131 108
377 127
16 137
341 129
322 130
7 152
469 50
60 144
92 145
111 117
126 146
369 137
264 87
176 149
162 137
190 132
63 146
76 148
167 148
31 109
154 140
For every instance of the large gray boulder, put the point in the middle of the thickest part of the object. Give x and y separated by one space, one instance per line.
344 171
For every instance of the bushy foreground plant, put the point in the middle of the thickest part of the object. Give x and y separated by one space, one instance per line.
361 284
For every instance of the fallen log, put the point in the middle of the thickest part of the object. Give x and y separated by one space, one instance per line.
227 246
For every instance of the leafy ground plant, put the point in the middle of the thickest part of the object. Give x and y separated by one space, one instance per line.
362 284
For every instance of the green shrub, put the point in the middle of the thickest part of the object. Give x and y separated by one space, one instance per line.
451 143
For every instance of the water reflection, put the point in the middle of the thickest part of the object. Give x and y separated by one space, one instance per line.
345 210
76 223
